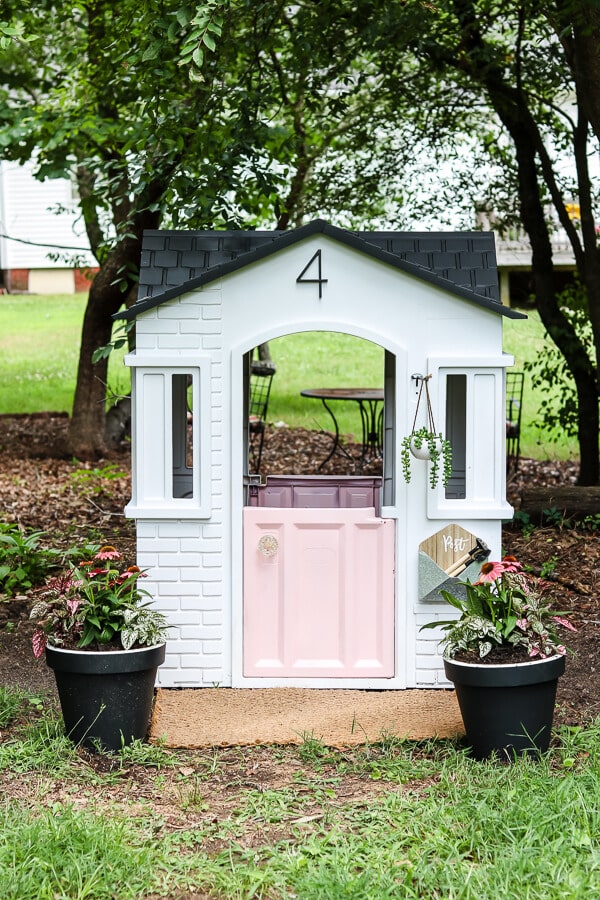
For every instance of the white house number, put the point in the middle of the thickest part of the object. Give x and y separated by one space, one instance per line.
313 267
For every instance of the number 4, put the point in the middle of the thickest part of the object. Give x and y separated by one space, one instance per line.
315 258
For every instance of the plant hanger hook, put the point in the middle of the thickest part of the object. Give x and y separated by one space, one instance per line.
424 382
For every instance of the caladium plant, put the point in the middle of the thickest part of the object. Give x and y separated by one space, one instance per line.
96 605
505 607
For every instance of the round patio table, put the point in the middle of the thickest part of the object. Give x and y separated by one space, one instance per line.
370 405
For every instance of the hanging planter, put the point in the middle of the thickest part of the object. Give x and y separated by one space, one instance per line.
426 443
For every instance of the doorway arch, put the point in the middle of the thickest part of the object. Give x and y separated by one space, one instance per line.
355 608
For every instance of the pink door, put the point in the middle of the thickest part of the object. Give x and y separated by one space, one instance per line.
318 593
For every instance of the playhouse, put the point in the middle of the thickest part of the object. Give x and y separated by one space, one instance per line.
312 581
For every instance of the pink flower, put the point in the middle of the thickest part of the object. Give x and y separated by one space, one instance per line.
510 564
107 552
490 571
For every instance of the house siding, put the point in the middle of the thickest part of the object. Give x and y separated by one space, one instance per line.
185 558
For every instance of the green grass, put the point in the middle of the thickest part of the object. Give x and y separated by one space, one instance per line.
39 343
386 820
64 853
321 359
39 350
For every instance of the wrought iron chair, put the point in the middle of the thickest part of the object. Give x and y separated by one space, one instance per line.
261 377
514 406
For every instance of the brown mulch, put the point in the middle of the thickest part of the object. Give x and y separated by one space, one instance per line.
74 501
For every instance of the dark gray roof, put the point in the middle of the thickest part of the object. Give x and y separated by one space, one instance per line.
174 262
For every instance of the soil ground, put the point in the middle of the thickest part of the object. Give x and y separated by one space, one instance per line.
72 502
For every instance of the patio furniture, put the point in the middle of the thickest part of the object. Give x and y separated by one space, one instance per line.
514 407
370 404
261 377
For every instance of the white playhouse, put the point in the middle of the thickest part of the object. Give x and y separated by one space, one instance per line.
314 581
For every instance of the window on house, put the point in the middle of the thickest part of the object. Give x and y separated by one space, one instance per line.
182 408
171 467
456 433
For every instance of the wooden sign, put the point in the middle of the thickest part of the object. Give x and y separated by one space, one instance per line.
451 546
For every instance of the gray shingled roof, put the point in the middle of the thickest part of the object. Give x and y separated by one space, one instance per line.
174 262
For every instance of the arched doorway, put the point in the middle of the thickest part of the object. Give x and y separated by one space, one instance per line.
319 582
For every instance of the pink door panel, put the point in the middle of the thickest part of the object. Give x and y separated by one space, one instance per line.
318 593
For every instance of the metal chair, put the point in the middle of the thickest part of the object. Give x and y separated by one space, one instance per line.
261 377
514 405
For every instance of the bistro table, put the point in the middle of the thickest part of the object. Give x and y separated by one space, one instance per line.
370 405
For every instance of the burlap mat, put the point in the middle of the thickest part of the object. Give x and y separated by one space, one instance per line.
207 717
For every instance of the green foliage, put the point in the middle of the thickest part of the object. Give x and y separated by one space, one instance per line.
11 704
438 824
555 517
23 561
98 479
203 27
522 520
95 605
548 567
505 608
154 756
119 341
63 852
550 373
42 748
592 522
439 452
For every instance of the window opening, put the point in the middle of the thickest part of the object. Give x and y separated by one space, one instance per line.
456 433
182 407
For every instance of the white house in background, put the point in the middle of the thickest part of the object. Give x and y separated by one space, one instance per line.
513 255
32 231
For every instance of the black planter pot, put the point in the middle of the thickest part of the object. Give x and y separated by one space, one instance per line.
105 696
507 710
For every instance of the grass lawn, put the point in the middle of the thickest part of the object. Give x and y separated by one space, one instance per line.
39 340
395 819
39 348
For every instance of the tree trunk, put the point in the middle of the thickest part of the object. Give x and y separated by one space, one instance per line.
85 439
569 501
510 105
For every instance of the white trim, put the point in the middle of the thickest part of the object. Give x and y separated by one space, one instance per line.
148 459
473 507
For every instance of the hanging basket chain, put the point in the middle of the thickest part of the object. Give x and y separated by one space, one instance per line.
424 379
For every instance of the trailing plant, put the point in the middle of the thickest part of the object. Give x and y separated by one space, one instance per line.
438 447
439 450
97 605
504 608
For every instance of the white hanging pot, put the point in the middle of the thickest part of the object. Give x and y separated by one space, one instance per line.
424 452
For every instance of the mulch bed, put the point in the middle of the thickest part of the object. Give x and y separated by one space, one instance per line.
72 501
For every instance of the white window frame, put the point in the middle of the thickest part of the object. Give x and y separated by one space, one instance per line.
485 450
152 464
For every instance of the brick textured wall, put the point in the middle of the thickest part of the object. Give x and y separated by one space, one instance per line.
84 278
185 557
17 280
